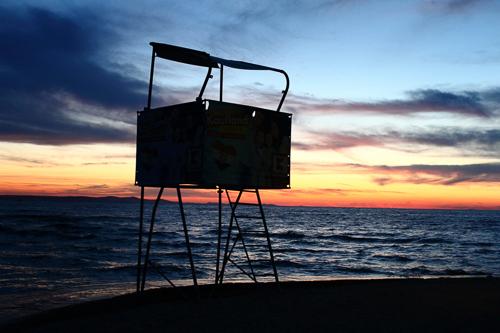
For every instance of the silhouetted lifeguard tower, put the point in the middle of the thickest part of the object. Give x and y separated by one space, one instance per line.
208 144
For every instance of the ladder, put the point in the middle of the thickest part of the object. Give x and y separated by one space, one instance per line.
249 233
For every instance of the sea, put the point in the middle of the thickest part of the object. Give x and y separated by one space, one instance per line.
57 251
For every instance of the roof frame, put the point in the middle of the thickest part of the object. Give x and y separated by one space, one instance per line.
203 59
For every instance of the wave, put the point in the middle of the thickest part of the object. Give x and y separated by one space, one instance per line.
398 258
289 234
38 217
433 240
365 239
67 246
290 264
23 231
299 250
117 268
391 240
356 269
73 236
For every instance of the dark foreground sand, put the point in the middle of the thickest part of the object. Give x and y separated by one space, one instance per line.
399 305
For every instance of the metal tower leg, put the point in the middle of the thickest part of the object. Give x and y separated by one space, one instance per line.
139 245
150 235
219 236
186 235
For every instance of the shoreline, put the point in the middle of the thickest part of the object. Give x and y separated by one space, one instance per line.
395 304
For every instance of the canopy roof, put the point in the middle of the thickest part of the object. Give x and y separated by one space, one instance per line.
183 54
200 58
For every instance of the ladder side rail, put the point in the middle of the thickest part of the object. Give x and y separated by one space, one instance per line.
242 240
156 267
186 236
224 261
252 277
267 236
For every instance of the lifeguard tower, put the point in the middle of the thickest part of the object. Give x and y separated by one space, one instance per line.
209 144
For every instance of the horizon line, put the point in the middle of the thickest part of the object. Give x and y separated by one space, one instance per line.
215 202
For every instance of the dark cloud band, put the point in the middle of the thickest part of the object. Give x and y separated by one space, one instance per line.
50 60
434 174
483 104
479 142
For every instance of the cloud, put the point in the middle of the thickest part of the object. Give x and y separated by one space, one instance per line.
96 190
433 174
338 141
336 191
53 87
104 163
452 6
58 84
239 26
460 4
484 142
482 104
29 161
480 142
492 95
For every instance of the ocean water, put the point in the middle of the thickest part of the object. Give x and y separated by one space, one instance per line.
58 251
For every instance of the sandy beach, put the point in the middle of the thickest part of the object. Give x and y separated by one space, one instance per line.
388 305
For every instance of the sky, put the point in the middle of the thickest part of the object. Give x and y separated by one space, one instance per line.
394 103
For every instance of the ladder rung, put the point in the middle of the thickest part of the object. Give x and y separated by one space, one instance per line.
248 203
265 274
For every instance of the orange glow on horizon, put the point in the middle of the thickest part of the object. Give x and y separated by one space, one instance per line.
108 170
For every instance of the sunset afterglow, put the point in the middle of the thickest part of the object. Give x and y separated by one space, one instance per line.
397 112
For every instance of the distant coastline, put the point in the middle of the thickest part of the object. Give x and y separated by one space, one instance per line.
133 199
